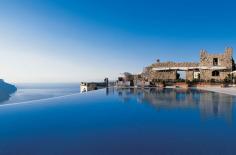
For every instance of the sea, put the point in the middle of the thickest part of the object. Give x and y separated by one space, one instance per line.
35 91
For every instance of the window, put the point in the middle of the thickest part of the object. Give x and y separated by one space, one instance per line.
196 75
215 61
215 73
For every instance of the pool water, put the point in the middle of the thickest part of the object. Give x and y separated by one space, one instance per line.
121 122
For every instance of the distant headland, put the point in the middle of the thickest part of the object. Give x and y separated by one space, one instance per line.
6 90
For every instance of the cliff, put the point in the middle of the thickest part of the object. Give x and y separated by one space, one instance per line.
5 90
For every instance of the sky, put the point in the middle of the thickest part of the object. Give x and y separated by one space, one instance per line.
70 41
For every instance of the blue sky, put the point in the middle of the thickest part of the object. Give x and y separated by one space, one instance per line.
72 41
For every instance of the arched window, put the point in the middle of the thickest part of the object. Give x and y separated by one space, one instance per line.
215 73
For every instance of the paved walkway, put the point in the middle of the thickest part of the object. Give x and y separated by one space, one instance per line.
229 90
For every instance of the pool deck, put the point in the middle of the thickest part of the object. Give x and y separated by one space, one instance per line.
227 90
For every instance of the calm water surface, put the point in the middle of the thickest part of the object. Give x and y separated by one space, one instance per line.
121 122
33 91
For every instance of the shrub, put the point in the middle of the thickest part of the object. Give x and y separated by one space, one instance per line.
228 79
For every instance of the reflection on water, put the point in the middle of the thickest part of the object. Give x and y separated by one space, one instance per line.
210 104
121 122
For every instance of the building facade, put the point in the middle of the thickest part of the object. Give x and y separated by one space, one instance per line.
211 67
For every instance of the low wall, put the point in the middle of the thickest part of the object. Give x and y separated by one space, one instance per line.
181 85
203 84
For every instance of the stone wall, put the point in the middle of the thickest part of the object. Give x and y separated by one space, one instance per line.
224 60
207 75
169 74
163 75
175 64
206 60
189 75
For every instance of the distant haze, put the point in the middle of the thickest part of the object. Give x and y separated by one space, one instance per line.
71 41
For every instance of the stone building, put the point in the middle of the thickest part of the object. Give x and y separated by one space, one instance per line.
127 79
211 67
216 66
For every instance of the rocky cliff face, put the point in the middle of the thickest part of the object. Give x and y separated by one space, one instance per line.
6 90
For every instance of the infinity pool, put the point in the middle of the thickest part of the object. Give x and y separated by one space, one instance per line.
121 122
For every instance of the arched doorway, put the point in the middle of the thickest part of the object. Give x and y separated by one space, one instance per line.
215 73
